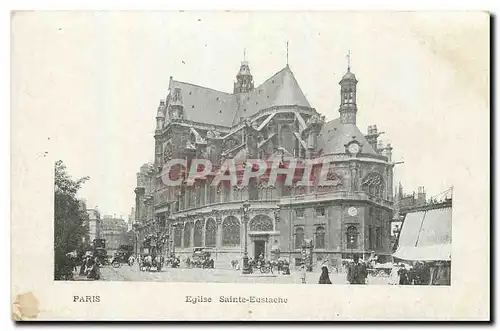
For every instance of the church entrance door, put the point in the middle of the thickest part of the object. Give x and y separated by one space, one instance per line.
260 248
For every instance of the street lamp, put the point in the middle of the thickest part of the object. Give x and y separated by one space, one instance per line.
173 227
245 209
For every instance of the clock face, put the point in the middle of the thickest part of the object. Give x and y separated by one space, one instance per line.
354 148
352 211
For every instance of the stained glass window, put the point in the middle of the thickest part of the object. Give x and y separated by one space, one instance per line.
261 223
352 237
231 231
299 237
320 237
187 234
210 233
198 233
373 184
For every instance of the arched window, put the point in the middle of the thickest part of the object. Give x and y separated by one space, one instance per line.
211 190
320 237
198 233
177 236
210 233
261 223
299 237
373 184
187 234
352 237
231 231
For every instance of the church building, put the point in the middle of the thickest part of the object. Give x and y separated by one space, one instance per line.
270 121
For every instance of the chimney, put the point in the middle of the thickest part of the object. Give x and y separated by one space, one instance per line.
421 200
380 147
388 152
372 136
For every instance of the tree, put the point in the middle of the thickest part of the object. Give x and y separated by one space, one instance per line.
70 218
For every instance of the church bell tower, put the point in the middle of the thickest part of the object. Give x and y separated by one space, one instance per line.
348 108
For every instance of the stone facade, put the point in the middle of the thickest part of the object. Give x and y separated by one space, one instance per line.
114 231
273 122
95 225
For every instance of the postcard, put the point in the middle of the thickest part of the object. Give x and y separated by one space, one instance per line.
251 166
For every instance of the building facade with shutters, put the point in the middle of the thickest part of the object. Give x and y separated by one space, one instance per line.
114 231
273 122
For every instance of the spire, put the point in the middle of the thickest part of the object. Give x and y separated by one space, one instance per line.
244 78
348 61
287 53
400 191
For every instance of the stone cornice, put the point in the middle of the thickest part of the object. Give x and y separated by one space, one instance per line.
226 208
324 198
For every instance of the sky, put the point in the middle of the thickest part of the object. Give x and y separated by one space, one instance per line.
90 82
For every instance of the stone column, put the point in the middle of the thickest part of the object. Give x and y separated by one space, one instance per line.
205 192
193 223
203 231
181 226
354 177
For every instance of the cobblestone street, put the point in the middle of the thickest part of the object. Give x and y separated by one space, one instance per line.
127 273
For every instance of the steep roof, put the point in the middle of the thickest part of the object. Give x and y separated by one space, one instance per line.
281 89
334 136
205 105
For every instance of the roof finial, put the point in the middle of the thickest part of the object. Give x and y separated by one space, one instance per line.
348 60
244 54
287 53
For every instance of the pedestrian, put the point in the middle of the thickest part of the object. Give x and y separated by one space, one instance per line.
324 278
404 275
303 271
356 272
394 277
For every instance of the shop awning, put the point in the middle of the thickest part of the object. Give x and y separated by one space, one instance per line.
425 253
426 236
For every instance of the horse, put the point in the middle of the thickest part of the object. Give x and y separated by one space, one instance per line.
147 262
131 260
234 263
158 262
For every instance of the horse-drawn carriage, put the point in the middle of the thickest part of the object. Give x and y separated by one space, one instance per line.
149 262
121 256
263 266
280 265
152 257
380 269
202 258
173 261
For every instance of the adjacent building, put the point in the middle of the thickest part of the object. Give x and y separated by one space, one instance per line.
95 225
274 122
114 231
